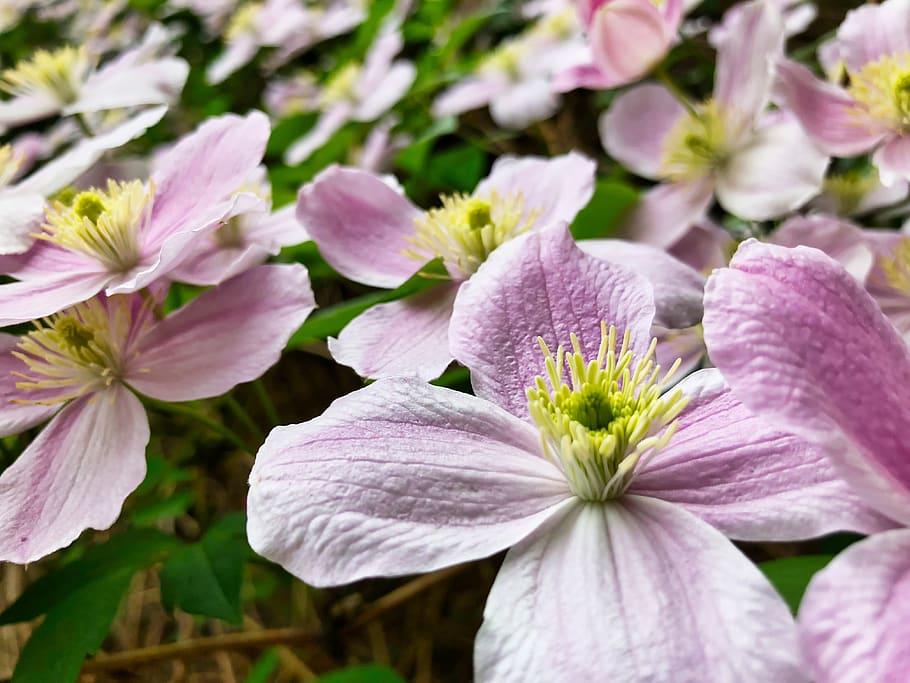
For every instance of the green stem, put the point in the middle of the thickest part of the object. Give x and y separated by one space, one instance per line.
244 416
187 411
664 77
271 412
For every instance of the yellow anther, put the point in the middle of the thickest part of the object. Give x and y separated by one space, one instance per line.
59 74
849 189
243 21
697 145
342 86
882 88
10 165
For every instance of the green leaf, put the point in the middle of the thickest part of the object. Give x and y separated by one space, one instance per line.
600 217
791 575
74 628
456 378
205 578
371 673
124 553
172 507
264 667
458 169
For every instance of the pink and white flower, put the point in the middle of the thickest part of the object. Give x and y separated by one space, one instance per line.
122 238
758 165
873 46
617 567
358 92
371 233
23 200
83 369
803 345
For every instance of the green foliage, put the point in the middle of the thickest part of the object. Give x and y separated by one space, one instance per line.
362 674
601 216
265 666
791 575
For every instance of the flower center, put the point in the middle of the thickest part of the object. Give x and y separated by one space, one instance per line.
10 165
697 145
506 59
610 415
59 74
102 224
465 230
342 86
556 25
75 352
896 267
882 88
243 21
849 189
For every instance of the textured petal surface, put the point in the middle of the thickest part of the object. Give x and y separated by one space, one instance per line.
843 241
751 481
228 335
637 590
33 299
404 338
360 224
74 476
397 478
541 285
804 346
853 618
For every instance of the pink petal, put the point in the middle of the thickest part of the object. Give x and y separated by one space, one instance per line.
874 31
158 81
843 241
32 299
228 335
737 472
404 338
329 123
472 93
378 61
893 160
74 476
804 346
540 285
582 76
635 127
16 417
628 38
387 93
397 478
853 618
236 54
554 189
21 215
666 212
678 289
779 170
635 590
25 109
360 224
524 103
829 115
704 246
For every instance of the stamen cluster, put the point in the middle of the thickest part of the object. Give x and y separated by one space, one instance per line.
10 164
698 145
59 73
882 88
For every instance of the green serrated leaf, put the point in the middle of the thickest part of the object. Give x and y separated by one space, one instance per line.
126 552
371 673
74 628
791 575
601 216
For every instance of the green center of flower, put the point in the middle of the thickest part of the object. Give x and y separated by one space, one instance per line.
59 74
102 224
697 145
882 88
465 230
75 352
610 414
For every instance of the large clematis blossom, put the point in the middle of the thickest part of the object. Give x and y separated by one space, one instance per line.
873 47
370 233
66 81
23 200
617 567
122 238
758 165
358 92
803 345
82 369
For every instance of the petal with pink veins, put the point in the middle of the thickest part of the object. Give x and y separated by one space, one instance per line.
629 591
628 38
226 336
17 416
397 478
32 299
582 76
893 160
74 476
541 285
871 32
803 345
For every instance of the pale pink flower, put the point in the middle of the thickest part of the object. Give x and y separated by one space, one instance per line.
23 202
617 566
122 238
358 92
858 193
81 368
873 47
759 165
371 233
804 346
797 15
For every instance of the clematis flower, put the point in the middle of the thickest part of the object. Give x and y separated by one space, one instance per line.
121 238
358 92
856 193
243 241
371 233
873 45
802 344
22 203
516 79
612 495
758 165
628 39
66 81
82 369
